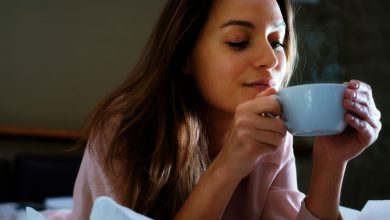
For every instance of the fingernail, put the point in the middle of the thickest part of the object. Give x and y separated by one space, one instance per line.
354 84
349 102
351 93
351 117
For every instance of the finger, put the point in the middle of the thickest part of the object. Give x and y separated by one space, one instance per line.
361 111
267 92
359 85
368 100
357 96
367 133
360 91
261 105
249 121
275 125
267 137
378 114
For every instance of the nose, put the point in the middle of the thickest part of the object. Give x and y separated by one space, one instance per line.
265 57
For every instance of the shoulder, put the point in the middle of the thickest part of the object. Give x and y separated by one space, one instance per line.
103 174
102 168
104 126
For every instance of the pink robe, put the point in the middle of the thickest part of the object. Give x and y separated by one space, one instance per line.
269 192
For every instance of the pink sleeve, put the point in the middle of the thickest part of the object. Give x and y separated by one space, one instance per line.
92 181
304 213
284 200
82 198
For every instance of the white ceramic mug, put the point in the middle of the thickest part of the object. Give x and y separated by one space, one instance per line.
313 109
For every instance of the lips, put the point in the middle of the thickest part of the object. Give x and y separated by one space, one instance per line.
261 84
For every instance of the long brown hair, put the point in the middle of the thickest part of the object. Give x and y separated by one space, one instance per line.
152 124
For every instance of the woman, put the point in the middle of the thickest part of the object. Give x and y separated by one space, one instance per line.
184 136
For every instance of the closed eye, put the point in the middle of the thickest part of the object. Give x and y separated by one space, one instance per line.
240 45
277 45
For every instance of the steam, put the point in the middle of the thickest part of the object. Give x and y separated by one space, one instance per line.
320 33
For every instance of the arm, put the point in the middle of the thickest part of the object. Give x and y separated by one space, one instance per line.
82 198
284 200
210 196
250 137
91 182
323 196
332 153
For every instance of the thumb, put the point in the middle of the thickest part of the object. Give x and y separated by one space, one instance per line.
267 92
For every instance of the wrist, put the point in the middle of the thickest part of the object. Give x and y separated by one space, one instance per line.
326 157
323 197
210 195
222 173
321 165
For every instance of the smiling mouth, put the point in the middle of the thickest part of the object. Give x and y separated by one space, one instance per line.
262 84
260 87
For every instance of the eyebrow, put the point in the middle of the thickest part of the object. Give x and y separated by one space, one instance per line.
238 23
249 24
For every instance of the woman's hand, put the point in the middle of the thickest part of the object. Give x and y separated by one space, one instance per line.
252 134
363 126
331 153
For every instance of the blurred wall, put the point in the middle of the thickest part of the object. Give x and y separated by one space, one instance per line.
58 58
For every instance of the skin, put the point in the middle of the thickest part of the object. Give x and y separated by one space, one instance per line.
238 64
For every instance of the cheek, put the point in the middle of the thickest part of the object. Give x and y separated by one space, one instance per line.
227 68
216 67
216 76
210 72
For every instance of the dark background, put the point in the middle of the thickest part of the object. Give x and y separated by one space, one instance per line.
342 40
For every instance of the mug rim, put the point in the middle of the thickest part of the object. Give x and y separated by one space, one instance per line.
314 84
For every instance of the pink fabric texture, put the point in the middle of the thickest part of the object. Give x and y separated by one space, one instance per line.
269 192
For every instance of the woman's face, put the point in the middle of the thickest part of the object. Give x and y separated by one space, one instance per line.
239 52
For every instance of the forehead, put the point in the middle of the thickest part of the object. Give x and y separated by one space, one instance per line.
259 12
